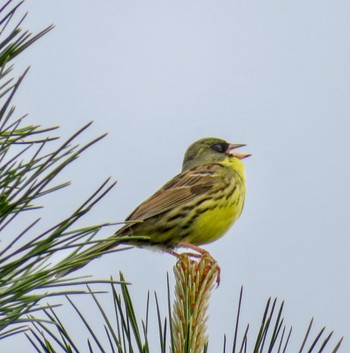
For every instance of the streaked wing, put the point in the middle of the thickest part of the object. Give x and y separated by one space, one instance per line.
183 188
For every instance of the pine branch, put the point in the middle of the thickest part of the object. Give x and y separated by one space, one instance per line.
195 281
125 331
29 167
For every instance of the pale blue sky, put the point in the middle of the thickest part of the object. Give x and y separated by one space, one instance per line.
157 75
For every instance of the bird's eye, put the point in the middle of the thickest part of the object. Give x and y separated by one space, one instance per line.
220 147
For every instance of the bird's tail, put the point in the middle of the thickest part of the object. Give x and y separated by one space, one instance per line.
78 260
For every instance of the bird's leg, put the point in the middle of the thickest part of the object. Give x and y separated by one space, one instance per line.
190 246
174 253
171 252
193 247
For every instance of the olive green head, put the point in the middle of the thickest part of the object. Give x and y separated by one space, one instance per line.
210 150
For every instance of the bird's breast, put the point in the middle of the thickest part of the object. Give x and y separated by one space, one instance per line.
214 222
213 217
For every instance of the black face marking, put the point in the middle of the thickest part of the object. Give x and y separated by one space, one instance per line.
220 147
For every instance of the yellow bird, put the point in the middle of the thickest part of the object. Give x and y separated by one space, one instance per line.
196 207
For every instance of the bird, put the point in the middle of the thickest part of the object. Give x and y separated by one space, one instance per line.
194 208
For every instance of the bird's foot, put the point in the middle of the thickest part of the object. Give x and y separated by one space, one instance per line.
200 253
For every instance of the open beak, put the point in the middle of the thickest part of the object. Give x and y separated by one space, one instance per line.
232 147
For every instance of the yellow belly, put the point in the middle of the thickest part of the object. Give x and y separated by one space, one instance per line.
213 224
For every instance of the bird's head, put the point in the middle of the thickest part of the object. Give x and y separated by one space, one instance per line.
212 150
